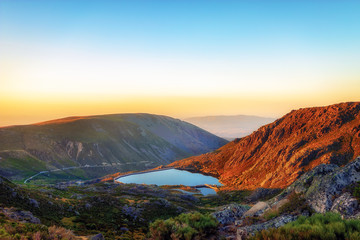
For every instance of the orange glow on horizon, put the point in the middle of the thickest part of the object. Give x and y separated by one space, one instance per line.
27 110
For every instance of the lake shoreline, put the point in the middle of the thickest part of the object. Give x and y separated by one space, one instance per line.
213 185
142 172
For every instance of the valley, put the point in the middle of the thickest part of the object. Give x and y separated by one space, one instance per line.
232 126
179 120
298 169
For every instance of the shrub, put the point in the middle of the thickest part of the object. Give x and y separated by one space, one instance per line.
36 236
60 233
185 226
318 226
271 214
296 205
356 191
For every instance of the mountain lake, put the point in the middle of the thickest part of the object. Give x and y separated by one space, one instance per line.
173 177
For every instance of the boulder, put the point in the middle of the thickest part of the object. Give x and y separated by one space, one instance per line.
346 205
243 232
230 213
279 204
256 210
88 205
21 216
33 202
98 237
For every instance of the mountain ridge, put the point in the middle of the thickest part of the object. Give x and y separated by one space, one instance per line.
276 154
109 143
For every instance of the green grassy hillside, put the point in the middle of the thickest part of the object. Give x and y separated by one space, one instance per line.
89 147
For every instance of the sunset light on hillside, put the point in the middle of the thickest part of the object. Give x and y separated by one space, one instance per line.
179 119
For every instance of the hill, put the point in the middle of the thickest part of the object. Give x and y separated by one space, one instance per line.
93 146
230 127
277 154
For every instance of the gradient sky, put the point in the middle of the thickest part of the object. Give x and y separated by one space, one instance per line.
178 58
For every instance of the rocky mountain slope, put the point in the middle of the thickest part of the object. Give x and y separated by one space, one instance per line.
97 145
277 154
230 127
326 188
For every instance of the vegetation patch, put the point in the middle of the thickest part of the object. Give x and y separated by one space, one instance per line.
185 226
329 226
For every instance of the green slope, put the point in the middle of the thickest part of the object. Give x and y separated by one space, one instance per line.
98 145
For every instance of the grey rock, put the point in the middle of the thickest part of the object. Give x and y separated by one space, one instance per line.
18 215
230 213
88 205
244 232
324 183
277 205
98 237
256 210
346 205
180 209
132 212
163 202
355 216
34 203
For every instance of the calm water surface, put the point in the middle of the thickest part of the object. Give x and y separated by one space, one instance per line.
172 177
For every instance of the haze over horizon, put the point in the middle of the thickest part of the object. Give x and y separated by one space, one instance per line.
75 58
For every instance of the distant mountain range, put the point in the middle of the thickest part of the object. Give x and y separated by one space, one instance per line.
230 127
277 154
93 146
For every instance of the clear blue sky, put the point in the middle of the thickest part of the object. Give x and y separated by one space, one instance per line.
224 28
284 54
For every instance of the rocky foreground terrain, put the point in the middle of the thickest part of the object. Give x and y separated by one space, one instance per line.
108 210
275 155
326 188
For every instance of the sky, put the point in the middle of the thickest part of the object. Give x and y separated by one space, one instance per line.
177 58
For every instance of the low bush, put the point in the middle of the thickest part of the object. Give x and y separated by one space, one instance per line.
356 190
60 233
186 226
271 214
296 205
328 226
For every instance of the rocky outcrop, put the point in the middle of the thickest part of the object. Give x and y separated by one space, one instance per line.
20 216
346 205
322 187
230 213
244 232
257 210
276 155
98 237
325 188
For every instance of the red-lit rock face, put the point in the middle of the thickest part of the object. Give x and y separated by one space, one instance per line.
276 154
